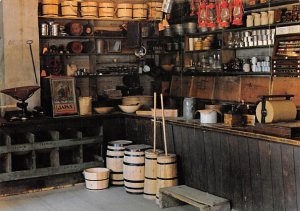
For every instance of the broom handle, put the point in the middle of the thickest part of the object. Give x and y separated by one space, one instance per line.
154 127
164 124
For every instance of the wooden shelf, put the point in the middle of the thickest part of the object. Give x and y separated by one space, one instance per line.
97 19
202 51
270 4
248 48
66 37
221 73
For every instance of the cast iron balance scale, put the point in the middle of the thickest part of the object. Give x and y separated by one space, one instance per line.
22 93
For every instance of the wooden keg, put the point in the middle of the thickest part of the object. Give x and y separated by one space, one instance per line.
96 178
166 172
74 28
150 173
155 12
134 168
106 10
124 11
114 160
89 9
69 8
50 8
139 11
75 47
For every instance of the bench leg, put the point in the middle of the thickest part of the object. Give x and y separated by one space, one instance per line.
166 201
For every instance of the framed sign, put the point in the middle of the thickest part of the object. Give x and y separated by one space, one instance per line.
58 96
63 96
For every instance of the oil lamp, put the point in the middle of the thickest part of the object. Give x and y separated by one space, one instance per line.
223 14
237 13
202 14
211 16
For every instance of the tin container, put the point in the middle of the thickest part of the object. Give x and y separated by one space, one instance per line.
44 29
55 29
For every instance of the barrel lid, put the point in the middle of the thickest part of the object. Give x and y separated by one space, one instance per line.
119 143
168 156
137 147
151 151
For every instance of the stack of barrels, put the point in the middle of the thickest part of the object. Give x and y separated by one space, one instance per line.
103 10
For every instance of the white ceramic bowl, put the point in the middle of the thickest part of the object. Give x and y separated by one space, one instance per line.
129 108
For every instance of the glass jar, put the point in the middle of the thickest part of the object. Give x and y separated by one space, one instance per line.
188 108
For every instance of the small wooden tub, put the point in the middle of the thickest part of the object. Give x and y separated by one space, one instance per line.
89 9
114 160
96 178
166 172
106 10
124 11
139 11
69 8
50 8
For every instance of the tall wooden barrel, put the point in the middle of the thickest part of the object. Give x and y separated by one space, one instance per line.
139 11
114 160
150 173
74 28
106 10
155 12
134 168
50 8
89 9
166 172
69 8
124 11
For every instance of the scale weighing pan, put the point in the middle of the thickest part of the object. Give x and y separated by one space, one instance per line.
20 93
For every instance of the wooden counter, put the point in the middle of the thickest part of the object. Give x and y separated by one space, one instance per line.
253 171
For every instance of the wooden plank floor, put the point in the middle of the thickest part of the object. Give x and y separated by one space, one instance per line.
77 198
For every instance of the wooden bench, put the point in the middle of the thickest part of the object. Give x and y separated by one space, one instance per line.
178 195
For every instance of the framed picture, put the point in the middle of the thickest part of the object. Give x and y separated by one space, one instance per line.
63 96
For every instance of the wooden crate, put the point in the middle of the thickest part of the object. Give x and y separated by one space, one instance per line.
227 88
202 87
253 86
108 82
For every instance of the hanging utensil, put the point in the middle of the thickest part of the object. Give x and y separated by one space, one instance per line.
29 42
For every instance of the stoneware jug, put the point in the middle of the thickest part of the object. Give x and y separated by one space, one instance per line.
188 108
208 116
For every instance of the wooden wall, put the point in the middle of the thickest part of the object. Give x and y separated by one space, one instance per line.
253 174
234 88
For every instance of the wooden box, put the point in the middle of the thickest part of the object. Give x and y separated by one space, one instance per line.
180 86
233 119
203 87
227 88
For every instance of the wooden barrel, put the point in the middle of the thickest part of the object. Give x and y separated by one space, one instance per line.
75 47
114 160
50 8
96 178
166 172
134 168
150 173
106 10
155 12
124 11
74 28
69 8
139 11
89 9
